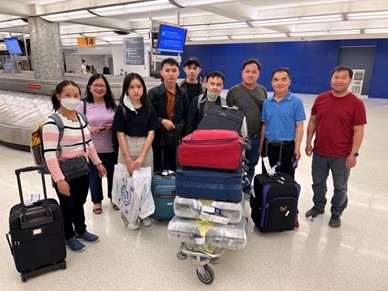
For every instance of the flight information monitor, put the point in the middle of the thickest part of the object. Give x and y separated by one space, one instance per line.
13 46
171 39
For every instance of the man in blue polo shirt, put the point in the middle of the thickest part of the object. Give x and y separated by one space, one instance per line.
283 115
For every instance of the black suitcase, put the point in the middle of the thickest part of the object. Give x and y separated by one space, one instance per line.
222 117
275 200
36 236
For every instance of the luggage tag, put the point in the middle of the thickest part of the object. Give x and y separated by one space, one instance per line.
213 214
34 198
267 165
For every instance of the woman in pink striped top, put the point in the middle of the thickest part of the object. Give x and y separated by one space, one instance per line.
72 194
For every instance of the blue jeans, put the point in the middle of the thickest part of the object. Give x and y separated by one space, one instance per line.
253 157
108 160
321 166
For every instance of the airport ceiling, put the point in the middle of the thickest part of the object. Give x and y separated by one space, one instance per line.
207 21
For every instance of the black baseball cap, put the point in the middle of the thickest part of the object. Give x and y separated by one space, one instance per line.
192 59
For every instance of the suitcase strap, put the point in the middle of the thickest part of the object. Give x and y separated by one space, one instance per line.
9 243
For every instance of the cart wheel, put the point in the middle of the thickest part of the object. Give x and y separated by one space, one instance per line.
215 261
24 278
208 277
63 266
181 256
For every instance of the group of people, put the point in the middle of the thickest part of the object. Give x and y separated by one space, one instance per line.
144 123
87 69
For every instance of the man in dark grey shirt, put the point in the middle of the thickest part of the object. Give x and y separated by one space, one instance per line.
249 96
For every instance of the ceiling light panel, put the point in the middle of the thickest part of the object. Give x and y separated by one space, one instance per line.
258 35
188 3
367 15
139 7
231 25
81 14
376 30
13 23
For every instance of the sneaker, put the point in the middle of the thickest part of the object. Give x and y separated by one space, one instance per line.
134 226
89 237
75 245
313 212
335 221
146 221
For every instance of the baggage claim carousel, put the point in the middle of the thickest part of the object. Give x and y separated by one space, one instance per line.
25 102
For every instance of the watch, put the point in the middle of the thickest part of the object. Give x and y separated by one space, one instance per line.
356 154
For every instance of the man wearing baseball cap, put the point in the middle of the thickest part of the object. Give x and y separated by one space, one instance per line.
191 86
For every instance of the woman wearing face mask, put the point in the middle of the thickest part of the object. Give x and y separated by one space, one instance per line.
135 122
72 194
99 107
200 104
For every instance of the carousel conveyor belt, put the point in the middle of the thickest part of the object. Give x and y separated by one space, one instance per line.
20 113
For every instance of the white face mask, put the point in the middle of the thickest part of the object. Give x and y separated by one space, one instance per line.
70 103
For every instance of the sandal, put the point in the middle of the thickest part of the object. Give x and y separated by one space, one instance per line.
97 208
114 206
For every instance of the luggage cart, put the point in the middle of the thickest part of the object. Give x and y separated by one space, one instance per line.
201 259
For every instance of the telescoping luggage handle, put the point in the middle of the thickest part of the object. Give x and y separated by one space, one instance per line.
279 162
38 168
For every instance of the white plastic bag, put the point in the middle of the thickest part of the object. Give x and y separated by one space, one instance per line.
119 189
138 202
130 201
147 205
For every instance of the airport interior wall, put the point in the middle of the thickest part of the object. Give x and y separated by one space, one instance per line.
310 62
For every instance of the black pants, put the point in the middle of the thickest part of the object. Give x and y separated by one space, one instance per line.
286 160
164 156
108 160
73 206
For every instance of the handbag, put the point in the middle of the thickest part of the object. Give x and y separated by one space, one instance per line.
171 136
76 167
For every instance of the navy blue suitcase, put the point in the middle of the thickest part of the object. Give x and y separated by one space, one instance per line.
163 192
275 202
200 183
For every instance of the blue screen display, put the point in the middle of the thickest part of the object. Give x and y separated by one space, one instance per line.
171 39
13 46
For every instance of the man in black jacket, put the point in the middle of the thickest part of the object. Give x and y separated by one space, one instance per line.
171 106
191 86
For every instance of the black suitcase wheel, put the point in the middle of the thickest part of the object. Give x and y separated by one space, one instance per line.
208 277
64 266
24 278
181 256
215 261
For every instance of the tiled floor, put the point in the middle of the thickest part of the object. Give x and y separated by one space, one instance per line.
315 257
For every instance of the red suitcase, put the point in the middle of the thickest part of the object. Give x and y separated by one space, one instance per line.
212 148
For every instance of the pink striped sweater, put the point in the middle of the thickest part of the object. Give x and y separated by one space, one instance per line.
71 144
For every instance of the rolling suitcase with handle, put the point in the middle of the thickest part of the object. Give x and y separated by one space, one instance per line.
36 236
275 200
163 192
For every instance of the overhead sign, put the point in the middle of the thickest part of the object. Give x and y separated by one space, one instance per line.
86 41
134 50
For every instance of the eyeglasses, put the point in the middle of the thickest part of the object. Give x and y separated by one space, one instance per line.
98 86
